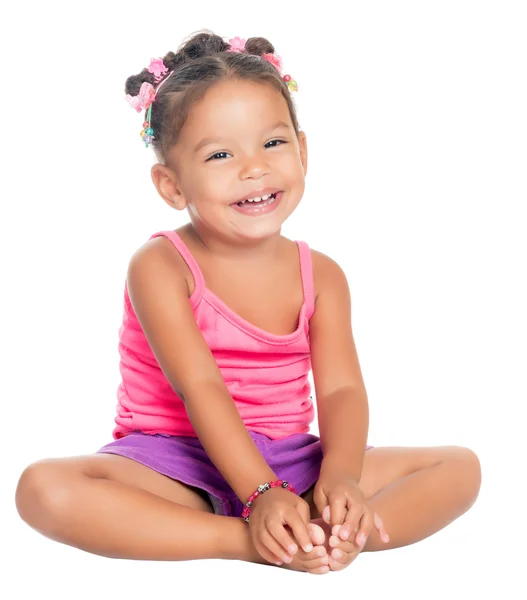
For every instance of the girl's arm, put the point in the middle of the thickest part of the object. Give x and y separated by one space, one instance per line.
342 401
159 296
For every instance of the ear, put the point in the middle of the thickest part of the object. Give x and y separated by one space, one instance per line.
302 143
167 186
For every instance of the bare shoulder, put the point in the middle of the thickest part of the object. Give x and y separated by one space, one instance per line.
153 270
160 252
159 246
327 273
159 296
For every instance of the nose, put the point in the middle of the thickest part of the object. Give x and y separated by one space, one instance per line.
254 167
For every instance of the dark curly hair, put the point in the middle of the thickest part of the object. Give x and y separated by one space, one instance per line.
199 63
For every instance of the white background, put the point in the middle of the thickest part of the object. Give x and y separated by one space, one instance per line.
415 115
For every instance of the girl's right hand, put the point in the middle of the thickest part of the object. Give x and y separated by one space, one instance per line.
270 513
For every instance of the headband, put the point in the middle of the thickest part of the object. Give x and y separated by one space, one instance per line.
147 92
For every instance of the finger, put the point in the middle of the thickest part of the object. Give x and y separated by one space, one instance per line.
336 543
326 514
352 522
270 547
366 525
320 501
338 509
277 530
304 510
299 528
379 525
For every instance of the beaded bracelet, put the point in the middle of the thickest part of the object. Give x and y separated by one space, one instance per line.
261 489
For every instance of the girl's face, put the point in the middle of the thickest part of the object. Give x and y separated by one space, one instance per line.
238 142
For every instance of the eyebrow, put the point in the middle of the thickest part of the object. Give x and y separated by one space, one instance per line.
206 141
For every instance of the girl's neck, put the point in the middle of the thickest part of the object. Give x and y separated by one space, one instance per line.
264 250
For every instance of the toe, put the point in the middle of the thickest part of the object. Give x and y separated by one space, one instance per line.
316 533
335 565
318 565
320 551
320 570
317 562
342 556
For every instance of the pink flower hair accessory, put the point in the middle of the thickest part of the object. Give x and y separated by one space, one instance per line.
157 67
144 98
237 44
274 59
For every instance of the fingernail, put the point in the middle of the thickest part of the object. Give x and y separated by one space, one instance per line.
361 539
345 534
386 538
292 548
308 548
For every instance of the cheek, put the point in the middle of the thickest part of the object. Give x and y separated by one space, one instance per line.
291 167
208 190
210 197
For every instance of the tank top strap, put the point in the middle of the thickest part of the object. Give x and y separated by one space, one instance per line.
306 267
199 280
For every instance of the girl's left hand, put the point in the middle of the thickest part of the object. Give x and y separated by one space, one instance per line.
340 501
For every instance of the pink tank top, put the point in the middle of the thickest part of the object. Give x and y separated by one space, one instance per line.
266 374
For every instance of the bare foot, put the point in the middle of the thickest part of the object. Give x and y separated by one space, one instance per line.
316 561
341 553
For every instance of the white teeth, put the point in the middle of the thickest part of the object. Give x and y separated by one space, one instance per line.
266 197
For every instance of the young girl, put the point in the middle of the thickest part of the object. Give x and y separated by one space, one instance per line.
223 320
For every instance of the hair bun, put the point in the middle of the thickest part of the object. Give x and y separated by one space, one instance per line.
197 45
259 46
203 43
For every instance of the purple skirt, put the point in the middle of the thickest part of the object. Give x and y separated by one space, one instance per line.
296 458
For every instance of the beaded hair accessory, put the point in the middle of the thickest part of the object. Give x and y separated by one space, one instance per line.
147 92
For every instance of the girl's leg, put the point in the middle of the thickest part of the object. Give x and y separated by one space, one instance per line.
116 507
425 501
416 491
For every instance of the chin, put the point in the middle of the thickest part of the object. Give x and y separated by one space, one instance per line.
259 232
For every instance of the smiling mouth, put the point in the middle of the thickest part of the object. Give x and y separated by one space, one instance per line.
269 200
